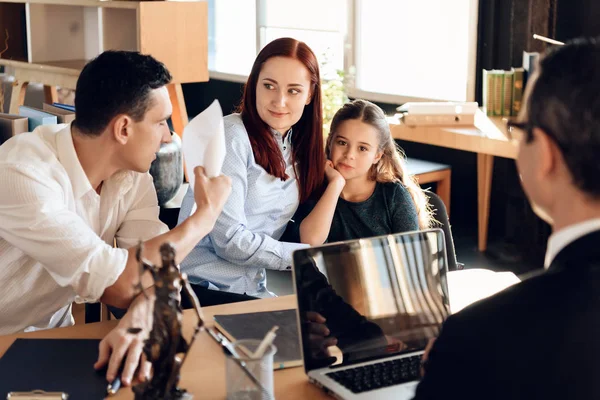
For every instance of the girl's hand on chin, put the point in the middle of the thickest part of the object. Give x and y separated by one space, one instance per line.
332 174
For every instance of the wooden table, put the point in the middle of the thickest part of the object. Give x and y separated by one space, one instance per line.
487 138
203 373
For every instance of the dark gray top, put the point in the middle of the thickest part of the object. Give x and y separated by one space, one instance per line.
390 209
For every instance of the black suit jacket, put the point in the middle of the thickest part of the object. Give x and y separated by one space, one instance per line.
539 339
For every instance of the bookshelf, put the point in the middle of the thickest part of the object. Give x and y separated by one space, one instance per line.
51 40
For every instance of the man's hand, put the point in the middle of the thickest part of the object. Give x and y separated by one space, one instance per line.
121 345
319 333
426 355
210 194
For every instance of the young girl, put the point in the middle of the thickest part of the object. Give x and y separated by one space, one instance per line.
369 192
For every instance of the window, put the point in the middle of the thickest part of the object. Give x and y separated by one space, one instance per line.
231 38
393 50
235 35
320 24
415 49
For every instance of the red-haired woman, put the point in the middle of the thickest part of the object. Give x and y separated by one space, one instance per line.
275 159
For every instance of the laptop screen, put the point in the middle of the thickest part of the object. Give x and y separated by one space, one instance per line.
370 298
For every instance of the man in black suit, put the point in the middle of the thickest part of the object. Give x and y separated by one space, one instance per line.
540 339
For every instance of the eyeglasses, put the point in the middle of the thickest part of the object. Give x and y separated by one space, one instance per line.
515 130
524 131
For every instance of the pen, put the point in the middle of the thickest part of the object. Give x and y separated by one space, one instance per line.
266 342
230 350
113 387
219 338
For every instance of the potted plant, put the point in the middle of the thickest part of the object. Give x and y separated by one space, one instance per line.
333 90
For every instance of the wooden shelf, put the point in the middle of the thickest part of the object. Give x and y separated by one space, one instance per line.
84 3
65 33
67 68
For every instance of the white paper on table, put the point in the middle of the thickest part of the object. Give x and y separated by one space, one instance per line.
467 286
203 143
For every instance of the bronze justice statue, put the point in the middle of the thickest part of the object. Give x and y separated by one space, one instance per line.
165 347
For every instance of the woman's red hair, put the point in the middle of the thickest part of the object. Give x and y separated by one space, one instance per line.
307 139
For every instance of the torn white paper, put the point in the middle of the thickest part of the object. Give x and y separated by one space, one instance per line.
204 142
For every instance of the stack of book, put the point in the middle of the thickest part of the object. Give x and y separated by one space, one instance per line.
30 118
503 91
438 113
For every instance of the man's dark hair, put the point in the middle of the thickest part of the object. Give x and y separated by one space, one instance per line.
114 83
565 102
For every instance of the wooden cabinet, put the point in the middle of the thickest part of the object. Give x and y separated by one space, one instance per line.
51 40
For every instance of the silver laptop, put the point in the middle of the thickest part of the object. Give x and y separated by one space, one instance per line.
366 310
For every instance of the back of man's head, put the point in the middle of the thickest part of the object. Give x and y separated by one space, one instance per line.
115 83
565 102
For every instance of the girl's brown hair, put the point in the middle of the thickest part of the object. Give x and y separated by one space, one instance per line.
392 165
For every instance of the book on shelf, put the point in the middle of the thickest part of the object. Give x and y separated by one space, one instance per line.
498 91
438 119
487 93
502 92
530 60
11 125
37 117
441 113
438 107
66 107
507 92
63 116
518 86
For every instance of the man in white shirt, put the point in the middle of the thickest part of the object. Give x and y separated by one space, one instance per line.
539 339
70 191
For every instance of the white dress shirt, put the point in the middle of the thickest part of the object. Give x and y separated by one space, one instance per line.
560 239
57 233
245 238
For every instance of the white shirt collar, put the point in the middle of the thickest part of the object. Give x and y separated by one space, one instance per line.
559 240
288 134
122 180
68 158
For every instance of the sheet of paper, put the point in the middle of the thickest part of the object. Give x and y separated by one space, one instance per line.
203 142
470 285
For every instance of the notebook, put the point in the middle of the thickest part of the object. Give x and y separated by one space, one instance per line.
65 107
256 325
37 117
53 365
63 116
10 125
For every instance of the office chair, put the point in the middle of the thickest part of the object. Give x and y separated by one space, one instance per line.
441 216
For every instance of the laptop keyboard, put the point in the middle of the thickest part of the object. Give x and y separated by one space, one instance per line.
376 376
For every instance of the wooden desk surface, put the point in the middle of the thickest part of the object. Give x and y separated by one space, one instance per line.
488 136
203 373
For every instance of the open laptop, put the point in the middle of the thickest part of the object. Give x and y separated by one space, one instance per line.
366 310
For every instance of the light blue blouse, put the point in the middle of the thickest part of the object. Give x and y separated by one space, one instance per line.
244 241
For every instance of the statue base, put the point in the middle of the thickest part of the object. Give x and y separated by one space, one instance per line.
143 392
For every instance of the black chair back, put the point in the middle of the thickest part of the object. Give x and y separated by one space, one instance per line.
441 215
